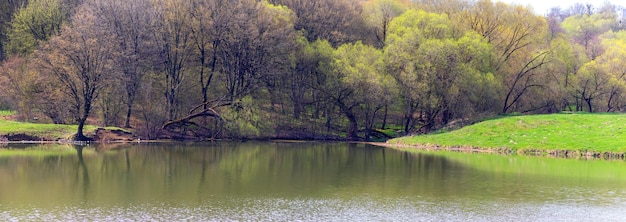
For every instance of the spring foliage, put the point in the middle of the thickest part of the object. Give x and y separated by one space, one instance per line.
209 69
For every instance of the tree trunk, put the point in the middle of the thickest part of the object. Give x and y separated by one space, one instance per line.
370 120
446 116
170 105
297 109
408 117
352 133
328 120
80 136
128 114
385 117
407 123
353 129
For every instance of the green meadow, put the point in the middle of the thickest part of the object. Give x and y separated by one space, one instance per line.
576 132
48 132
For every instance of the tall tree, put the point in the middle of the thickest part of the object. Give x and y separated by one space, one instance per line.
613 61
407 34
174 42
517 36
209 22
7 8
600 83
585 30
312 61
130 23
29 91
258 45
35 22
565 59
81 58
442 77
338 21
554 19
356 80
591 83
244 46
378 14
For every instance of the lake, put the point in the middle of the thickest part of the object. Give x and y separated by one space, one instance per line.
264 181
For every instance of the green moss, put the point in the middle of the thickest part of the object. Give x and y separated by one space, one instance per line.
581 131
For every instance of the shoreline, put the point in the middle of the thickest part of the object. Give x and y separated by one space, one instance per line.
553 153
556 153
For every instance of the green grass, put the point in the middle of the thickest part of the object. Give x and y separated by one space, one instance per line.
588 132
46 131
43 131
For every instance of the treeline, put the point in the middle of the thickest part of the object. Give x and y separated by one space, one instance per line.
306 68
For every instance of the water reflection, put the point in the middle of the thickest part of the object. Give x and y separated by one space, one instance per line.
163 172
308 181
82 168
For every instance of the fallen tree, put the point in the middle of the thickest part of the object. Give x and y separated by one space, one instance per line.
195 125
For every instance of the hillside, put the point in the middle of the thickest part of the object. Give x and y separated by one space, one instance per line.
561 133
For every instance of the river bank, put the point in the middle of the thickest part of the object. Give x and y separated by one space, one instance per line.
560 153
568 135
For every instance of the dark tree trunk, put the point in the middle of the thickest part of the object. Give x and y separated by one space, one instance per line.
353 128
446 116
407 124
80 136
128 114
297 109
328 119
171 103
384 126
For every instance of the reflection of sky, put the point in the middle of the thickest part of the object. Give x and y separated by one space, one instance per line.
542 6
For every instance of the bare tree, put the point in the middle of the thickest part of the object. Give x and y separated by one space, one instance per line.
81 59
175 44
130 22
338 21
259 43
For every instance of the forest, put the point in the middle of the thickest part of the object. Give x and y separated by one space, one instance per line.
304 69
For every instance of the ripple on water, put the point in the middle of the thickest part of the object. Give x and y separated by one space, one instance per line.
357 209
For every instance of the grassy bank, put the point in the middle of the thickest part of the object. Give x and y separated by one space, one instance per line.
583 133
14 130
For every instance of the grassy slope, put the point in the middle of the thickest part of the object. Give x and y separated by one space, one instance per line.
43 131
590 132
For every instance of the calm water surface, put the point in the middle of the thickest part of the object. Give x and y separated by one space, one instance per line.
301 181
